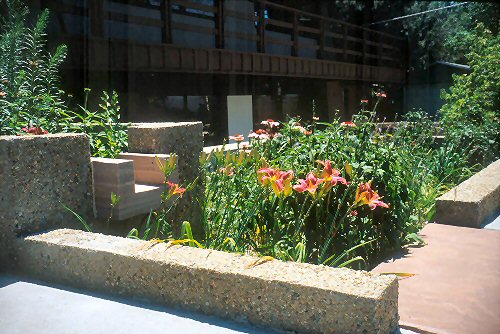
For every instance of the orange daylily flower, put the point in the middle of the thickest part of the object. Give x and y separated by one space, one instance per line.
366 195
175 189
310 184
331 174
280 181
35 130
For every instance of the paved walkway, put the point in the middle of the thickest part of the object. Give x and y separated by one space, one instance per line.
456 287
28 307
35 308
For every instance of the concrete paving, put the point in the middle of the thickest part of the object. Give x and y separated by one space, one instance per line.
456 287
32 307
494 225
28 307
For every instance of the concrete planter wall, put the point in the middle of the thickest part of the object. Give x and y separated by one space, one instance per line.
38 174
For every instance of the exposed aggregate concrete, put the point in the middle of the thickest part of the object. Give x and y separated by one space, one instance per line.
186 140
285 295
38 174
474 201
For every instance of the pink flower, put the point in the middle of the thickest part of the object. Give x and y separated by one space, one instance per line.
310 184
270 123
354 213
348 124
381 94
315 118
237 137
260 134
364 101
279 181
330 174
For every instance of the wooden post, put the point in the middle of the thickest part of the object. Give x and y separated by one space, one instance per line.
96 12
262 26
219 23
166 17
295 36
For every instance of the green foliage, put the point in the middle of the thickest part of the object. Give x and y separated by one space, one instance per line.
471 113
108 136
447 34
330 227
30 94
29 81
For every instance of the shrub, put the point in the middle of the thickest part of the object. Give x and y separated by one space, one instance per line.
250 205
470 115
31 100
29 81
108 136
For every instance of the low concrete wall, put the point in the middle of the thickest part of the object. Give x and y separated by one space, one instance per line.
284 295
38 174
186 140
473 201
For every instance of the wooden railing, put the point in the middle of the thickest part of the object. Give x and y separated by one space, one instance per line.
295 32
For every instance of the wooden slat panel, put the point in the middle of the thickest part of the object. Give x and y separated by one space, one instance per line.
266 64
156 56
61 7
279 23
195 5
333 50
119 17
241 15
237 63
333 34
241 35
256 63
283 65
192 28
278 41
247 62
308 29
119 55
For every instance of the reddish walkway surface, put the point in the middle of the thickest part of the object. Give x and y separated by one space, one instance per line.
456 287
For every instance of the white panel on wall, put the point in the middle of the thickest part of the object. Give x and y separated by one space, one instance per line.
239 115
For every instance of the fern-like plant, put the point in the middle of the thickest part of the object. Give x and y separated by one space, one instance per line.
29 80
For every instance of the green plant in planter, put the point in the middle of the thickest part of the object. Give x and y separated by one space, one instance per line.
273 199
108 136
29 81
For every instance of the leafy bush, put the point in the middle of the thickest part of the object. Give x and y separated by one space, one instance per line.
471 113
250 205
31 100
108 136
29 81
